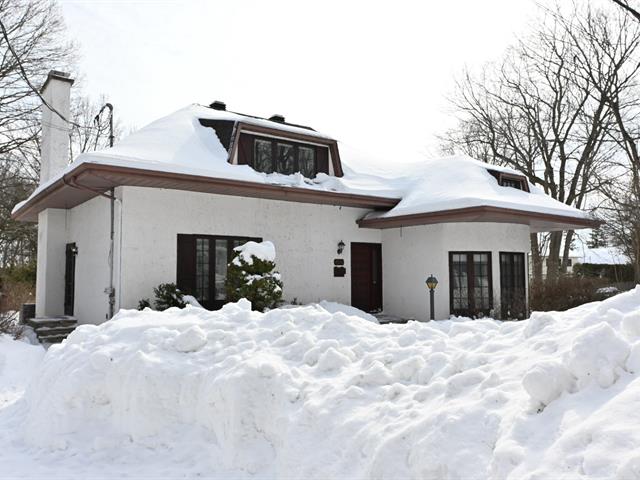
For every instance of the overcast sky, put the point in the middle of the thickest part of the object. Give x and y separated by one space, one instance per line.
372 74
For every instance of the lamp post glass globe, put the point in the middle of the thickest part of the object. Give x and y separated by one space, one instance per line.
432 282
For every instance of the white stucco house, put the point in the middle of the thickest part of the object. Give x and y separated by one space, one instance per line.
169 203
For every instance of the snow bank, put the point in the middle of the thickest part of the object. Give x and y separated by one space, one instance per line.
304 392
18 362
334 307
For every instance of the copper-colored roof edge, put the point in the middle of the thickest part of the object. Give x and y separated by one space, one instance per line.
463 214
277 192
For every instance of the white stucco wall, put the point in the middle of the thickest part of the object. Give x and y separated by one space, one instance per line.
411 254
51 258
305 235
88 227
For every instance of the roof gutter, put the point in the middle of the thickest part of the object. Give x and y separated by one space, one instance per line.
538 221
96 179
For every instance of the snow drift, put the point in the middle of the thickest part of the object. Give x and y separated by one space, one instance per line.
306 393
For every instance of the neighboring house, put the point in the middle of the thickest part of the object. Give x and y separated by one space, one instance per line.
190 187
582 254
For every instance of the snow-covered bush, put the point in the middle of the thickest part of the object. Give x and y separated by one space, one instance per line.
167 295
144 303
251 275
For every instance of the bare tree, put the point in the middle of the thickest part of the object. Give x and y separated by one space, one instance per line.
628 8
546 109
608 56
33 42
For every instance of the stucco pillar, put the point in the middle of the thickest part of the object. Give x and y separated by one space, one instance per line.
51 262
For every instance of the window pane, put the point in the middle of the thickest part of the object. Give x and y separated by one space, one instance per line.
460 282
507 182
221 268
202 269
481 281
285 158
307 161
262 157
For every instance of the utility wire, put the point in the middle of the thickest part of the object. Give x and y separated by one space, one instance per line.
26 78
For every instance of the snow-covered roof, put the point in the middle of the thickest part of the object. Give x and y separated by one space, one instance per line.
179 144
599 255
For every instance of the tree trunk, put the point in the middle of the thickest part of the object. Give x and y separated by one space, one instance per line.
536 261
566 251
636 251
553 258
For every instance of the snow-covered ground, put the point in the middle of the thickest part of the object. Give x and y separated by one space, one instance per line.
306 393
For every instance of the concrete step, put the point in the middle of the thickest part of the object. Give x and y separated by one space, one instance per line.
52 329
42 331
52 322
52 338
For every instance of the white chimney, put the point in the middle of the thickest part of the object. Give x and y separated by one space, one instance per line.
54 147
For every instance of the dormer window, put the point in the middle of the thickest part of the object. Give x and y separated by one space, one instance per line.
307 161
511 180
513 183
285 158
277 155
262 156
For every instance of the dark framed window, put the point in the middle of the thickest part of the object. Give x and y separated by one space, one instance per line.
512 183
202 266
513 299
270 155
263 156
510 180
285 158
307 161
470 283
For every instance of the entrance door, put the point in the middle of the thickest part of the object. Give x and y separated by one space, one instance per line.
366 276
512 285
69 278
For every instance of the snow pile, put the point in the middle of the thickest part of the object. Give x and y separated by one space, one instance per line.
264 251
334 307
18 361
303 392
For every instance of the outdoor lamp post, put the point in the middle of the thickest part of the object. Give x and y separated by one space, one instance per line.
432 283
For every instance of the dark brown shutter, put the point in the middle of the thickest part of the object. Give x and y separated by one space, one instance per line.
322 154
186 269
245 149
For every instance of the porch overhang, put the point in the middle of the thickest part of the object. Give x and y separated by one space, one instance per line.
89 180
537 221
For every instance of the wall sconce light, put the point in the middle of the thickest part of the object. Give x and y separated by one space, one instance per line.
340 247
